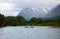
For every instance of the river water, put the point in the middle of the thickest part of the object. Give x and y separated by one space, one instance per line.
29 33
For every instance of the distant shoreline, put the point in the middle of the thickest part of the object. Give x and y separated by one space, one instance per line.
31 26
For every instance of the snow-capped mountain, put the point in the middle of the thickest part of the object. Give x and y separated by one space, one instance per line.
28 13
54 13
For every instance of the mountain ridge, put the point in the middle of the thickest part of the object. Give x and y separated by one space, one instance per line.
28 13
54 13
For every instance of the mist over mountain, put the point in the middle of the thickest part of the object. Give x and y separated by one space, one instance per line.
28 13
54 13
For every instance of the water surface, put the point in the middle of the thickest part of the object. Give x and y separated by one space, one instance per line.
29 33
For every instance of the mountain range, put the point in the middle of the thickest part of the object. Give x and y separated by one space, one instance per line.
44 13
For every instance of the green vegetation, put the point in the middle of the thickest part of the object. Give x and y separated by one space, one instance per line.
20 21
2 20
14 21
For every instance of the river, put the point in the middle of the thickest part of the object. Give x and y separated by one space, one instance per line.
37 32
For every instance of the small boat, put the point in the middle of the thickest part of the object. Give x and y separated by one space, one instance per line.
29 27
32 27
26 27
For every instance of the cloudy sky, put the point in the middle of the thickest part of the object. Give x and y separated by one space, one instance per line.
13 7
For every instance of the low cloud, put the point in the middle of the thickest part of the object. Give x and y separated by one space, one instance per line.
15 5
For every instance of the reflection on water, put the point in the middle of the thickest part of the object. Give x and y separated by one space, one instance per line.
29 33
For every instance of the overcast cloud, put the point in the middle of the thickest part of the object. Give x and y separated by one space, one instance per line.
13 7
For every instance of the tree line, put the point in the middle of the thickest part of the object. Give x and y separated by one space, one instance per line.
20 21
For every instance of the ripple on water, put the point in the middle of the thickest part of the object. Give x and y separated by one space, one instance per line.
29 33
